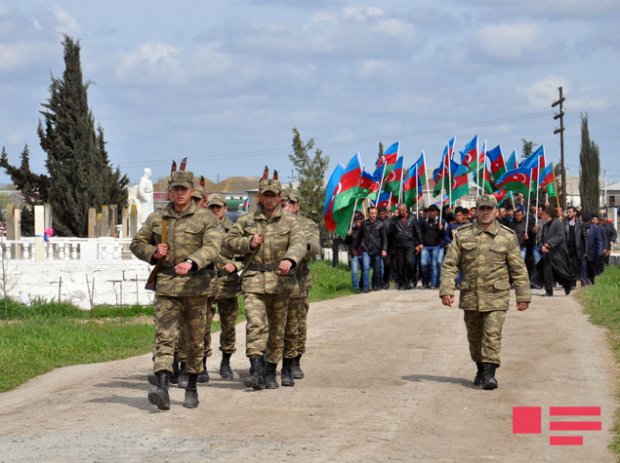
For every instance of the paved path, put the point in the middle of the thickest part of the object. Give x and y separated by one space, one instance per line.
388 380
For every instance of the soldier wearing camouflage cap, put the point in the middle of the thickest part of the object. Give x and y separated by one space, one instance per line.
183 239
488 256
273 243
297 316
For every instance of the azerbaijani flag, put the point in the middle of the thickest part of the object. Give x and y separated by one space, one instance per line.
500 195
246 204
515 180
390 155
386 199
443 200
412 189
349 184
369 183
392 180
440 175
511 164
498 167
460 182
546 180
469 155
331 190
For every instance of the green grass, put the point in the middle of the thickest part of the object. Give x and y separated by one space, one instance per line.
329 282
602 304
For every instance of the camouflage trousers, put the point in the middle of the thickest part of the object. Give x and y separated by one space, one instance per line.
484 333
209 313
229 309
174 315
296 331
266 322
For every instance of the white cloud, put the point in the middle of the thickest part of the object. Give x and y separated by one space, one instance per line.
67 24
151 62
509 42
16 138
22 54
542 92
361 13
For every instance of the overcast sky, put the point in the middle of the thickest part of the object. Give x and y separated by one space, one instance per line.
223 83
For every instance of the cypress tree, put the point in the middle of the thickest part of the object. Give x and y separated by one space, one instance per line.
589 170
311 172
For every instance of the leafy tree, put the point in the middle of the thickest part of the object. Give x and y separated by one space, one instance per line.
32 186
311 171
589 169
528 148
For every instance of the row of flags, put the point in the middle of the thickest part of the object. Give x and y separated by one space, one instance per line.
390 183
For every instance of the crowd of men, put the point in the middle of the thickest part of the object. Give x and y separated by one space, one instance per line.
204 262
402 248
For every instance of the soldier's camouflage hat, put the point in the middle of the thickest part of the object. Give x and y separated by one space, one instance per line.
199 192
216 199
181 178
486 201
292 195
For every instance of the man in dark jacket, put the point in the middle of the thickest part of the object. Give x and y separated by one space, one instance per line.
523 234
610 234
405 241
433 251
374 249
555 261
595 247
354 241
576 243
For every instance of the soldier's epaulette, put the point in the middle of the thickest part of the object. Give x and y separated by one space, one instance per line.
505 227
465 227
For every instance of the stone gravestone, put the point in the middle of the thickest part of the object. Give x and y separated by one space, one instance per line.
125 223
113 220
39 242
133 221
92 223
105 221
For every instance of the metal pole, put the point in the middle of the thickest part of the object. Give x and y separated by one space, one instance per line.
560 130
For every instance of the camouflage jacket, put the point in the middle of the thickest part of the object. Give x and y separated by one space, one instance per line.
313 247
229 284
192 234
283 239
488 262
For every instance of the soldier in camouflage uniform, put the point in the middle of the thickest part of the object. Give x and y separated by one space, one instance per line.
274 243
296 321
193 242
488 256
229 287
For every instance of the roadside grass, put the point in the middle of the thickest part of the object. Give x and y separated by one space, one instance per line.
46 335
602 304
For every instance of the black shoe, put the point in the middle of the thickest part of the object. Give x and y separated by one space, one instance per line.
488 376
366 290
270 376
567 289
255 380
286 374
479 374
225 370
182 376
296 368
548 294
191 393
386 286
160 396
203 377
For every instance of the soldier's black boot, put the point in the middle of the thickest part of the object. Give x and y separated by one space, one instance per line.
152 379
160 396
287 375
479 374
255 380
225 370
426 276
296 368
204 376
191 392
182 376
174 378
488 376
270 376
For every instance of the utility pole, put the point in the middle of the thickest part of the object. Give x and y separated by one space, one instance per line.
560 130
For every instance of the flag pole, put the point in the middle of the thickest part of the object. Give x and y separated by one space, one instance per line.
401 189
537 181
353 215
381 183
417 196
428 190
477 168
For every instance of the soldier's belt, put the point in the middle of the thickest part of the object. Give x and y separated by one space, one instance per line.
254 267
172 273
239 258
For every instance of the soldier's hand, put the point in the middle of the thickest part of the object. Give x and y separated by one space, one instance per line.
229 268
183 268
256 241
162 251
447 300
285 266
521 306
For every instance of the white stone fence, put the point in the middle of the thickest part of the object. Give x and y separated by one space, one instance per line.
66 249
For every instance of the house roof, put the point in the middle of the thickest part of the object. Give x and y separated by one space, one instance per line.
235 185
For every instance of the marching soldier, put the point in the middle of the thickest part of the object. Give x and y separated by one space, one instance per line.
229 287
297 317
274 244
488 256
183 239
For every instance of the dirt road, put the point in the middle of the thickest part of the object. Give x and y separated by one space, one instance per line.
388 380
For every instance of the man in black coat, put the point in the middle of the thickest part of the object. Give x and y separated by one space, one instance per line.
374 248
555 261
576 240
405 241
